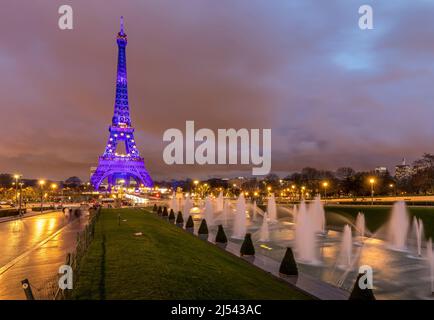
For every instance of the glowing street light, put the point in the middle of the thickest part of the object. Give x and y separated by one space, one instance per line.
16 177
372 182
41 184
325 184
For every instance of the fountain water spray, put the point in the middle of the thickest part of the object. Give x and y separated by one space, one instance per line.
187 207
209 212
254 213
317 213
240 218
264 232
271 208
398 227
219 202
360 227
346 248
305 242
294 214
225 212
174 203
418 235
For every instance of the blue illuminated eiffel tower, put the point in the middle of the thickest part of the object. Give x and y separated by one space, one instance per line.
112 165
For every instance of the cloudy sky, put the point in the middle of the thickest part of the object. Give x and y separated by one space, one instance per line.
332 94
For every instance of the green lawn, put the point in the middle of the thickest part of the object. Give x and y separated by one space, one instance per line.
376 216
166 263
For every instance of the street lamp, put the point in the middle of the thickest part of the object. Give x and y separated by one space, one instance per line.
16 177
53 187
392 186
325 184
41 184
302 191
372 181
20 197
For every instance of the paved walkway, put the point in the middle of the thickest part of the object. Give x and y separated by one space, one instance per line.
312 286
36 247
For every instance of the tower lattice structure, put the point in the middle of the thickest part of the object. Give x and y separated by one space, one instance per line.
112 165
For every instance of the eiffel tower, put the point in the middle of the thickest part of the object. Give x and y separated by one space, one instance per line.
114 166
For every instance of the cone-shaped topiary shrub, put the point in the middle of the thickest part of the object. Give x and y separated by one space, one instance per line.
172 215
221 236
247 248
179 218
288 267
203 229
190 223
165 213
154 208
359 293
160 211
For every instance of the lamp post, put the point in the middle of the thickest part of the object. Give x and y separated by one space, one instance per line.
325 185
372 181
302 192
53 188
41 184
16 177
20 198
392 187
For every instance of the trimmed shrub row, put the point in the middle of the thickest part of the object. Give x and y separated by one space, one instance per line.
43 208
288 266
8 213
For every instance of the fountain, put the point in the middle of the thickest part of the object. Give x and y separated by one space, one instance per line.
219 202
305 242
239 230
398 227
360 227
174 203
254 213
317 213
271 208
208 212
344 260
417 236
264 231
187 207
225 212
294 214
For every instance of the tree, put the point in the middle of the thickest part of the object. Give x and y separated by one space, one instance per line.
247 248
288 266
221 236
344 173
171 215
179 218
361 294
203 229
190 223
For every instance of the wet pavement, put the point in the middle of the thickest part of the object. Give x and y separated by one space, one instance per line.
34 248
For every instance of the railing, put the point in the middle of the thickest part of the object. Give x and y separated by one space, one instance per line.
50 289
84 239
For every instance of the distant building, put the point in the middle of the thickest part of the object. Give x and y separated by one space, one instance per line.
73 182
236 182
403 171
381 171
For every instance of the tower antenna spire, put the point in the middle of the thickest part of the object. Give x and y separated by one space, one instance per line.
122 25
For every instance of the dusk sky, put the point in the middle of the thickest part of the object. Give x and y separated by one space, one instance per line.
332 94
